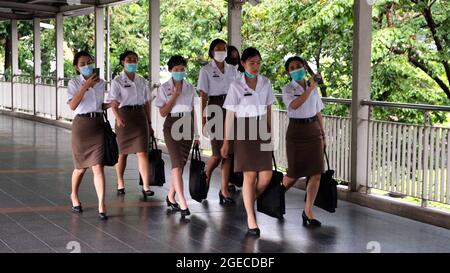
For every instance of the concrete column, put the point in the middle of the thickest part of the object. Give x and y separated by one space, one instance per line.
36 56
362 25
154 42
100 40
14 57
235 24
59 55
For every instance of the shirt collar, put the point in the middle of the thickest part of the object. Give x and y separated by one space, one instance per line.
124 77
258 81
82 79
296 85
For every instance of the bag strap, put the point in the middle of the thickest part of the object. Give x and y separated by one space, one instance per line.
326 157
153 143
274 161
195 152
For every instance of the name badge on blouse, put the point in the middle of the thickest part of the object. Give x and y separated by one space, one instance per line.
248 94
215 75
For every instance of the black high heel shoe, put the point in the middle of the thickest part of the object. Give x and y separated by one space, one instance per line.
147 193
102 216
121 191
311 222
77 209
254 232
173 206
185 212
225 200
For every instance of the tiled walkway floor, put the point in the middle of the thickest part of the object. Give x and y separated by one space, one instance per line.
35 168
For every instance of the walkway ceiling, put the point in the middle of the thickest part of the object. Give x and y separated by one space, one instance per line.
29 9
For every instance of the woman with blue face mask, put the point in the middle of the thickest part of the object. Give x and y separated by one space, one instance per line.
133 124
175 100
249 106
86 98
305 137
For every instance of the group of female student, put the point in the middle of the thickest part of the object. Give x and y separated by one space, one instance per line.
229 83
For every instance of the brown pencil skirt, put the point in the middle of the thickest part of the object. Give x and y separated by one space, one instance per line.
304 149
179 148
217 139
133 138
251 154
87 141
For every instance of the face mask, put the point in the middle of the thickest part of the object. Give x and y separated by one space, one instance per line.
298 75
131 68
249 75
178 76
220 56
232 61
87 70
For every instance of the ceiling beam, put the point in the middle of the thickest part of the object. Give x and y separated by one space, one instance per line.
29 7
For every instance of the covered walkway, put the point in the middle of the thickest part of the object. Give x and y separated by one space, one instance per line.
35 212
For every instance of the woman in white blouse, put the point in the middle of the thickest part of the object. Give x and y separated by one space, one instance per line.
175 99
213 82
133 124
250 100
86 98
305 141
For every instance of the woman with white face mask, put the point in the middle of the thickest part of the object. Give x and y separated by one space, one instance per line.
213 82
133 124
86 98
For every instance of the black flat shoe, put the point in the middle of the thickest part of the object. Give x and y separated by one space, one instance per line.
77 209
254 232
102 216
121 191
173 206
225 200
311 222
185 212
147 193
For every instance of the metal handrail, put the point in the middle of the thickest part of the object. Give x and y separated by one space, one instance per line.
423 107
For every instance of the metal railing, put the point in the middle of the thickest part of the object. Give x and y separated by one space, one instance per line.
408 159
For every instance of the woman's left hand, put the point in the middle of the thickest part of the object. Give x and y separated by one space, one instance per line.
197 142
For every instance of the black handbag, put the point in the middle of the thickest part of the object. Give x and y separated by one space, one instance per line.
237 178
272 200
157 170
198 187
111 155
327 195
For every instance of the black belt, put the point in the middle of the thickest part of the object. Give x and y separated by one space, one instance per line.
303 120
218 97
133 107
91 115
181 114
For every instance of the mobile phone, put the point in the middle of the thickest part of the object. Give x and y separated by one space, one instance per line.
97 72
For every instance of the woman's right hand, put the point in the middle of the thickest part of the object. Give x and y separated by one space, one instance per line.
312 84
91 81
176 90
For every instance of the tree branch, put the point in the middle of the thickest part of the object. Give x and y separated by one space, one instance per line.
437 40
